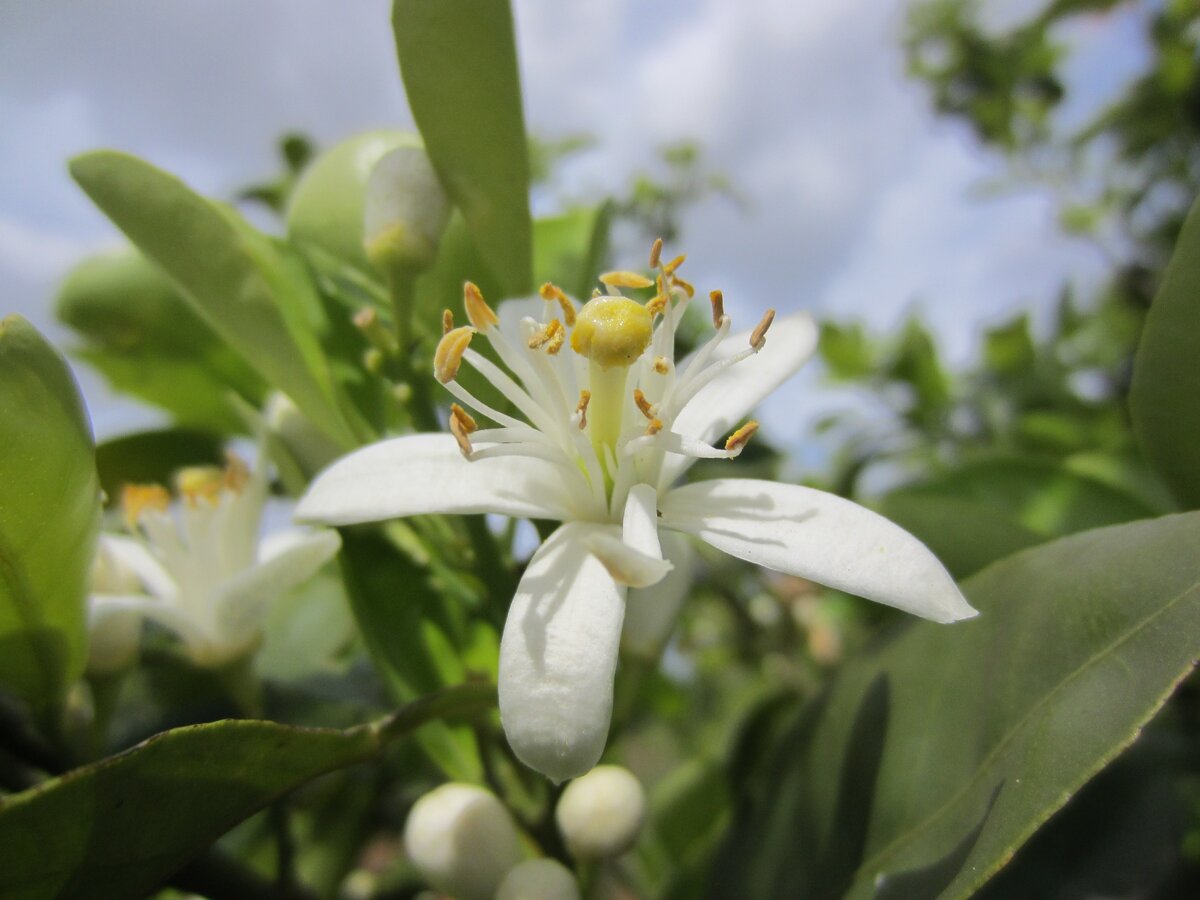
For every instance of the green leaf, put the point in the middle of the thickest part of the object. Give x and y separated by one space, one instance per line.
152 457
1165 397
252 293
118 828
49 516
930 761
458 59
146 339
569 249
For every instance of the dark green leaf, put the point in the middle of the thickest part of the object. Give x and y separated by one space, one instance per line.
458 59
1165 398
1078 643
49 516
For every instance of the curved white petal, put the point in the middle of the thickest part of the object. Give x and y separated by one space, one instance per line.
558 656
626 565
818 536
650 613
721 405
165 614
426 473
132 555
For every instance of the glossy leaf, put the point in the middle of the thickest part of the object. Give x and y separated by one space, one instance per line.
118 828
252 294
49 516
458 60
986 726
1165 397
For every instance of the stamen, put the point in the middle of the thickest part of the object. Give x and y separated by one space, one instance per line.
643 404
449 353
478 312
464 418
717 299
549 337
236 473
460 432
674 264
656 253
662 365
136 498
447 322
758 337
551 292
366 320
657 305
741 437
688 287
197 483
625 279
585 397
654 427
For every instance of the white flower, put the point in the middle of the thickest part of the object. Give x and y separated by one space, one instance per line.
205 575
600 814
610 423
538 879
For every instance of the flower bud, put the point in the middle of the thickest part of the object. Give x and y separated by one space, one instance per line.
406 211
601 813
538 879
462 840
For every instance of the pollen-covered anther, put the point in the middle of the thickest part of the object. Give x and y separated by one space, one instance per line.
643 404
741 437
136 498
549 337
662 365
674 264
656 253
199 483
758 336
458 428
479 313
585 397
447 321
625 280
654 427
657 305
553 293
717 299
449 353
612 331
464 418
686 286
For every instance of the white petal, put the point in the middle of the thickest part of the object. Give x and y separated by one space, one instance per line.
558 657
650 613
426 473
639 526
114 634
626 565
132 554
818 536
165 614
722 404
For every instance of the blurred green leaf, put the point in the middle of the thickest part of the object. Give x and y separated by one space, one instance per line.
458 59
152 457
119 827
145 338
1165 397
569 249
846 350
943 751
49 516
1009 348
253 294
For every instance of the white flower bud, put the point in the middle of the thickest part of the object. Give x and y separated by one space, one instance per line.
538 879
462 840
601 813
406 210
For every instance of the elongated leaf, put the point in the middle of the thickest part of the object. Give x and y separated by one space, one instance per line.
893 775
458 59
121 826
253 295
49 515
569 249
1165 397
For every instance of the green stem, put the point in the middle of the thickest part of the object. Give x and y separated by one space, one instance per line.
402 288
460 700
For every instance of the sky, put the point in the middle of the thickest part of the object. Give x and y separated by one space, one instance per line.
861 203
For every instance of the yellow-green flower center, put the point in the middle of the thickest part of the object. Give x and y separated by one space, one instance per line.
612 331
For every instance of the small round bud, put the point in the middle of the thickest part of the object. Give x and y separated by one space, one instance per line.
462 840
601 813
406 211
538 879
612 331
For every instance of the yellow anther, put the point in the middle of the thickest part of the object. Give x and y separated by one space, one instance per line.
585 397
366 318
654 427
656 253
449 353
674 264
464 418
656 306
461 435
717 299
197 483
136 498
367 321
479 313
236 473
686 286
741 437
662 365
552 292
447 322
549 337
625 280
643 404
758 336
612 331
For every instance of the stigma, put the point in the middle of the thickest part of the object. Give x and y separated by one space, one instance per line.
612 331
